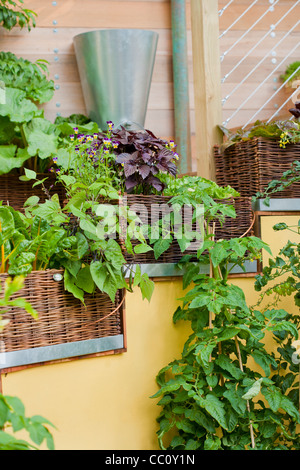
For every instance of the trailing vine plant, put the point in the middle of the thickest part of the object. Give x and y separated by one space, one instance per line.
211 397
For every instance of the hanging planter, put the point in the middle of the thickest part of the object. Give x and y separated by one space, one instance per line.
14 192
115 68
250 165
65 327
152 208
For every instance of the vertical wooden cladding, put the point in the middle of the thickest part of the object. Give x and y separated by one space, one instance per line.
143 14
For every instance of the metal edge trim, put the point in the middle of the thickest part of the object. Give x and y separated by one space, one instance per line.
284 204
60 351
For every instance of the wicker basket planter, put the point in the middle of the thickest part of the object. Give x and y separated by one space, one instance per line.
249 166
14 192
63 319
151 205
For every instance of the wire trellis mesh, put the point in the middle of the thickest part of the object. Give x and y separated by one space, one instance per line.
258 40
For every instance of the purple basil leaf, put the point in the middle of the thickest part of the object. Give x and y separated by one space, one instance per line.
123 158
144 171
172 169
130 169
131 182
295 112
154 170
146 157
156 183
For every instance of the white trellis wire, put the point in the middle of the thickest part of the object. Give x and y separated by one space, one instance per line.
260 62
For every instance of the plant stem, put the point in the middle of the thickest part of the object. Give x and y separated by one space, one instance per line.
2 270
248 406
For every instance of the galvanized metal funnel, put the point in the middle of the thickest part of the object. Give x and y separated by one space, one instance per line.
115 68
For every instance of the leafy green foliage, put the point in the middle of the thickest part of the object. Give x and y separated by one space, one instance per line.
211 398
12 410
30 77
287 178
12 13
12 286
12 415
80 236
24 133
287 131
292 72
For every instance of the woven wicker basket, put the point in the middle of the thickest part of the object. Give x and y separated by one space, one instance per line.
249 166
14 192
62 317
151 206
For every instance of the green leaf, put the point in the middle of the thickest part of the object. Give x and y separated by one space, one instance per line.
264 360
235 399
87 226
113 253
30 174
146 286
82 245
170 386
137 276
68 179
70 286
142 248
218 254
50 210
9 160
203 353
226 364
253 390
288 406
161 246
99 273
273 396
212 443
84 280
17 107
31 201
215 408
41 138
200 418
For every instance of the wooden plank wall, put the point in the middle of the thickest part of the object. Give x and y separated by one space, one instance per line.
59 21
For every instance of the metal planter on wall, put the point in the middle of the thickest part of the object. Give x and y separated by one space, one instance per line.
115 68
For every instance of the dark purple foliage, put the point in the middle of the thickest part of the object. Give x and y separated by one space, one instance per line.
142 156
296 111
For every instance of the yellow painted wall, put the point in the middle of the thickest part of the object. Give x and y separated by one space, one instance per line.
103 403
